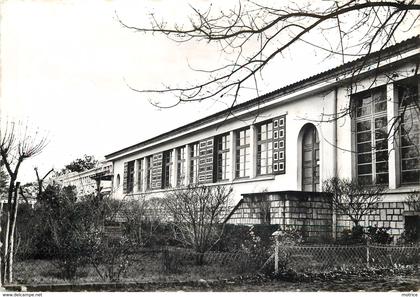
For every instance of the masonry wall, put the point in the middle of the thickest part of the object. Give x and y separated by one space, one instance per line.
308 212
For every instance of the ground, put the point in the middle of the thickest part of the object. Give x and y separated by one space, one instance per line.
146 275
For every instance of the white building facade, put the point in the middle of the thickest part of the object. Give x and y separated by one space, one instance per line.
341 122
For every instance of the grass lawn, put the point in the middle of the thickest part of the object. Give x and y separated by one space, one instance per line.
143 267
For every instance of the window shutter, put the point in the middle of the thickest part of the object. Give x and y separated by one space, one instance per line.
157 171
279 145
205 167
125 177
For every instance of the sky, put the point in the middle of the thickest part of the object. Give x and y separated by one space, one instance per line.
65 66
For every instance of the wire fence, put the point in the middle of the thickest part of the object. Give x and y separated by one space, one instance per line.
328 257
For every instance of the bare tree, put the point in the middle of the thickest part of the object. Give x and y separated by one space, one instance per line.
17 143
197 214
353 199
253 35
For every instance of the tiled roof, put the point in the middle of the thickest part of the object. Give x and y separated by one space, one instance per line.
345 68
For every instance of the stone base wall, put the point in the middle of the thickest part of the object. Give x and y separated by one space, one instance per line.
386 214
308 212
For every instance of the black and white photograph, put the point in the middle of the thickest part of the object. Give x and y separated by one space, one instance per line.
184 146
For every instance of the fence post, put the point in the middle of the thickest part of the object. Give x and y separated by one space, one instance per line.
276 251
367 253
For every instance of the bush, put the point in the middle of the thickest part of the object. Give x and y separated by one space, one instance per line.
354 236
255 242
379 235
111 258
239 237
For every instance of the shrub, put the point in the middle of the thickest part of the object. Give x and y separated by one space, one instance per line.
353 236
379 235
111 258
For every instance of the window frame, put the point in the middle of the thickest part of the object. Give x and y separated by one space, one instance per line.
245 171
267 140
367 113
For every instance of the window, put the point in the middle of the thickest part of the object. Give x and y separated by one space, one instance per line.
117 181
194 155
128 183
279 139
409 134
205 164
167 169
371 138
154 171
242 168
265 149
223 156
180 168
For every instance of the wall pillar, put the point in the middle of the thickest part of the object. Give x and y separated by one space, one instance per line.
232 155
393 151
187 164
253 151
136 177
145 186
174 168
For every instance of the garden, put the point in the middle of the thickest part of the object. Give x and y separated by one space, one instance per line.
94 243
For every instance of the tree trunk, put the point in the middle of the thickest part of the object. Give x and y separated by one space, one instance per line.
12 235
1 215
12 187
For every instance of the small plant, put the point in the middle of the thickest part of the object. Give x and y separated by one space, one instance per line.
379 235
111 258
171 261
413 201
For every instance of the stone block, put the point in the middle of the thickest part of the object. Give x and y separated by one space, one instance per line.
389 211
400 205
387 224
389 217
380 224
400 225
395 218
393 205
383 214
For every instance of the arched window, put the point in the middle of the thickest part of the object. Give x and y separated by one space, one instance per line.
310 159
117 181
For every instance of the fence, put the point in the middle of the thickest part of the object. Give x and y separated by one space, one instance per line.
328 257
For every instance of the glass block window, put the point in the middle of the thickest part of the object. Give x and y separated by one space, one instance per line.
167 169
180 168
371 137
243 158
194 159
265 148
205 165
279 145
223 157
409 133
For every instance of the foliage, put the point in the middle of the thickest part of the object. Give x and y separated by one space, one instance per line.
353 236
353 199
143 222
111 257
197 215
3 182
379 235
413 201
81 164
72 228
